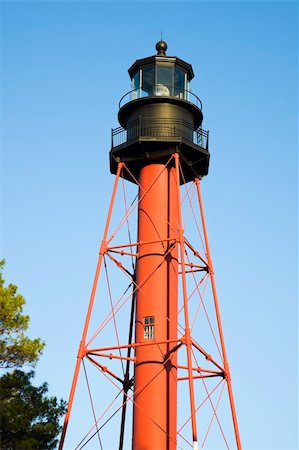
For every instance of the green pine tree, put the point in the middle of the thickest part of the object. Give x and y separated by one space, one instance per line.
16 349
28 418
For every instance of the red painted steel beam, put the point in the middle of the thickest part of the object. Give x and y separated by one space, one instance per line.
188 339
82 345
219 322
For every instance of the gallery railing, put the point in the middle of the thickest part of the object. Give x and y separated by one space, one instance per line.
159 129
160 90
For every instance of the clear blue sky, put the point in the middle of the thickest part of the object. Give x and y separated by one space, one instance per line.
64 71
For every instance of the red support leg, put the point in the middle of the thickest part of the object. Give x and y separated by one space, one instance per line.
213 284
81 351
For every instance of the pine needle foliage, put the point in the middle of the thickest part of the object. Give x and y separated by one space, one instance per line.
16 349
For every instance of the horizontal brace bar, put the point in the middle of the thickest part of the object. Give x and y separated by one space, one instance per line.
133 345
121 252
113 247
174 239
193 271
200 377
135 244
196 266
199 369
111 356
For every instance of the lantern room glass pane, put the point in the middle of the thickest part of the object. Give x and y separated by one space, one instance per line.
148 80
136 80
179 83
164 81
136 86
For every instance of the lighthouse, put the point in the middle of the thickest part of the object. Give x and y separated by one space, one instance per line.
161 148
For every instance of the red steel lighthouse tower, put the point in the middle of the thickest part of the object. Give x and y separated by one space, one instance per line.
154 330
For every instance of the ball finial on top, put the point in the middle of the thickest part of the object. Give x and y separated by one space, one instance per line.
161 47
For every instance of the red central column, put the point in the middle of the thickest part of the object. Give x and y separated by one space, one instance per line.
155 378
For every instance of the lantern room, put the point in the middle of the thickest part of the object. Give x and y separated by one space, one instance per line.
160 75
158 115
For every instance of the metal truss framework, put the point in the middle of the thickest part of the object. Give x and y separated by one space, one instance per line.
196 365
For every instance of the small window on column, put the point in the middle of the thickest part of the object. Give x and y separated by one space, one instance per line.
149 328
